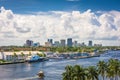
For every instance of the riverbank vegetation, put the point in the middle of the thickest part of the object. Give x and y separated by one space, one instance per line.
2 61
102 71
60 49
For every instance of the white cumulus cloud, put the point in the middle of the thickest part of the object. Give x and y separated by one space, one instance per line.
88 25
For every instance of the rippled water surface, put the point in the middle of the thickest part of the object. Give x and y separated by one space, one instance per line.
52 68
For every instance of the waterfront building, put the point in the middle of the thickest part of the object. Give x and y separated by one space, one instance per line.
62 43
2 55
29 43
69 42
90 43
19 55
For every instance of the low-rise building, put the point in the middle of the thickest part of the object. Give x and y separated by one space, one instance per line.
20 55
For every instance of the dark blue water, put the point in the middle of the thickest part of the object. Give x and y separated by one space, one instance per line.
52 68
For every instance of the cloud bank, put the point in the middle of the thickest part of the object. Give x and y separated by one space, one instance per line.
97 26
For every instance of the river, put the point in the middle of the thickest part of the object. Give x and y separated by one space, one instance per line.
52 68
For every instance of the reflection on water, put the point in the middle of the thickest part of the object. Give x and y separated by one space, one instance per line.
52 68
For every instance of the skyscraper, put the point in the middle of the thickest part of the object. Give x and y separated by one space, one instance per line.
90 43
62 42
50 41
56 43
69 42
29 43
75 44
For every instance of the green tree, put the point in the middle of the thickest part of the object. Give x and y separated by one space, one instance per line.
29 54
67 75
116 68
102 67
113 70
78 73
22 54
15 56
41 54
92 73
110 71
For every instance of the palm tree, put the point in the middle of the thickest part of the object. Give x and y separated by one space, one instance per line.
67 75
23 56
102 68
78 73
15 56
29 54
114 68
110 69
92 73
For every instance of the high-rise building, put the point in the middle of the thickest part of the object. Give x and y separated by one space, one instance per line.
56 44
50 41
69 42
29 43
90 43
75 44
62 42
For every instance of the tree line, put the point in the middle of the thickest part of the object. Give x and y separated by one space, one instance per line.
109 70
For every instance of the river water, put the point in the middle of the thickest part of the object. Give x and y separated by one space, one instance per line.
52 68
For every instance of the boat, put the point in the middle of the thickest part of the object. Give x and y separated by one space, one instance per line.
34 58
41 74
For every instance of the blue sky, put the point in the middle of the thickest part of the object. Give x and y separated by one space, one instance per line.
28 6
38 20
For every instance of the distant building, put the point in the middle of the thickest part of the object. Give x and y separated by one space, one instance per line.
69 42
50 41
75 44
98 45
48 44
36 44
90 43
62 42
29 43
83 44
56 44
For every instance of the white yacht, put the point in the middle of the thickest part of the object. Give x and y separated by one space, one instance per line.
34 58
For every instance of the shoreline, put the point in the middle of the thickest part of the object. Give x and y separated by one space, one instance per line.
6 63
82 57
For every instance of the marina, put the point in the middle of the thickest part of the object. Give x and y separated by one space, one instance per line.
52 68
15 58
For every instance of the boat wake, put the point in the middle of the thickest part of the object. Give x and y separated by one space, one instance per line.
29 78
60 62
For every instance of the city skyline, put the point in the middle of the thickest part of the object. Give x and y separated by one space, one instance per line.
70 42
79 19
